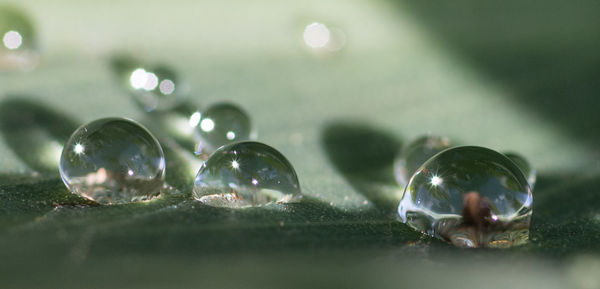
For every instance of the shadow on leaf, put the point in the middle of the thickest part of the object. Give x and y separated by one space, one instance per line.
365 155
546 54
35 132
566 215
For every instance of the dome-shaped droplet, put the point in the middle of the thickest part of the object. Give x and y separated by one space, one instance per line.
471 197
19 46
523 164
246 174
221 124
415 153
113 161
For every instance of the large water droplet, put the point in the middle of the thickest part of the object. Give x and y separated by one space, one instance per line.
415 153
246 174
113 161
471 197
221 124
18 46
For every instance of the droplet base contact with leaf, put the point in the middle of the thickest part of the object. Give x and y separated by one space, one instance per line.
246 174
471 197
113 161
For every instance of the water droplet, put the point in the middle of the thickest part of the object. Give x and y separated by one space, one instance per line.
153 88
525 167
113 161
221 124
246 174
471 197
18 46
415 153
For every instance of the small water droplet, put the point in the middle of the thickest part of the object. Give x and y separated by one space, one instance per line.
221 124
113 161
457 195
246 174
18 39
155 89
152 87
415 153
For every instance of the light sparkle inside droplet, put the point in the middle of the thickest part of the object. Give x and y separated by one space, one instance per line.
230 135
207 124
436 181
166 86
151 81
78 149
138 78
194 119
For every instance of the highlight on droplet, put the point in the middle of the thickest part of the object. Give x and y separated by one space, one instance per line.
12 40
316 35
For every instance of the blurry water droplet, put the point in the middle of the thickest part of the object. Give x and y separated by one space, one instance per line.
246 174
113 161
155 88
221 124
524 165
19 43
471 197
316 35
152 87
322 38
415 154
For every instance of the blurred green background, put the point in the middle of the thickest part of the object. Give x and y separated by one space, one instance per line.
509 75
